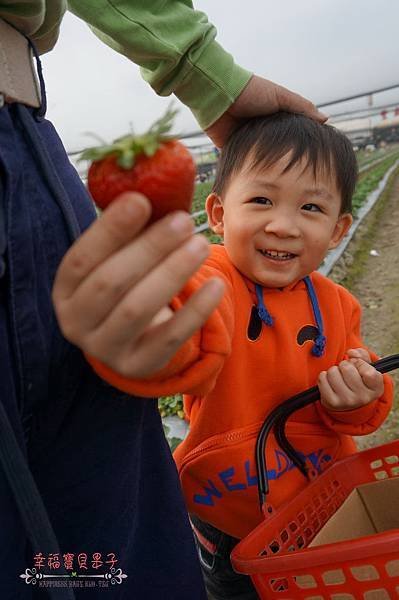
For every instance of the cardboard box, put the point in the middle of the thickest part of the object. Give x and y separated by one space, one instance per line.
370 508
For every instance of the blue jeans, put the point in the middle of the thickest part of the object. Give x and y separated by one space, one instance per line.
214 549
99 457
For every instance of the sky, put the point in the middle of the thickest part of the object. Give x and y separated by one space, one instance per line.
322 49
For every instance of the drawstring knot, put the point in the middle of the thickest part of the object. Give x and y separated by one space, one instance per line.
265 316
263 313
319 345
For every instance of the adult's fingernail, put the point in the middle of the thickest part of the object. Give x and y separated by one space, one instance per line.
134 204
198 246
181 221
216 285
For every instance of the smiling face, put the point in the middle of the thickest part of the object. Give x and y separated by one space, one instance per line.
278 226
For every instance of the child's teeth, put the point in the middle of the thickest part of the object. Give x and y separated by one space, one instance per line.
277 254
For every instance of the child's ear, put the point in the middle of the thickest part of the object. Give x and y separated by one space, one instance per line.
341 229
215 211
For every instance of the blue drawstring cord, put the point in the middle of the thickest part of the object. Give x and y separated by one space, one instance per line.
261 308
319 344
320 341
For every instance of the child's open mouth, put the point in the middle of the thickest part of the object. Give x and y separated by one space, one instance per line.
277 255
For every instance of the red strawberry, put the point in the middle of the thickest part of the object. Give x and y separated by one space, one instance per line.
154 164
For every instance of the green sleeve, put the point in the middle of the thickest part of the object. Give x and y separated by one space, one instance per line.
175 47
47 34
38 19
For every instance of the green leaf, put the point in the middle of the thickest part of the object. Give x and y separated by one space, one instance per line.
126 159
97 153
126 148
150 147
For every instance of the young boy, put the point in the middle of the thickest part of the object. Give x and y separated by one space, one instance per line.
281 200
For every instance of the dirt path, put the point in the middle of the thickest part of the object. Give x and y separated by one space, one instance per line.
374 280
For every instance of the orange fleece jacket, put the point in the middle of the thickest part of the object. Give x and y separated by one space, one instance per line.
234 372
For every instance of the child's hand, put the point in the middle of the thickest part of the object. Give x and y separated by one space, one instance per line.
351 384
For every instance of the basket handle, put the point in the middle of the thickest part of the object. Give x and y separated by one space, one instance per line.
277 420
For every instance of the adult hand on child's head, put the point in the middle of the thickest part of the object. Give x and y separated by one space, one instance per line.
119 275
351 384
260 97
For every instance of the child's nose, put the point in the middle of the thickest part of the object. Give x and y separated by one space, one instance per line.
283 226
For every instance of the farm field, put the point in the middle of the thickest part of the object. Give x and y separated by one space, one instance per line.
374 280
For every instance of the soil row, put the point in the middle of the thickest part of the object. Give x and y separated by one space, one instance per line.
369 268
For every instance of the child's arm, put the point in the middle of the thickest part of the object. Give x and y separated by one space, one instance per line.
194 367
354 397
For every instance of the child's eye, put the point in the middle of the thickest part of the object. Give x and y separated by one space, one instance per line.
261 200
311 207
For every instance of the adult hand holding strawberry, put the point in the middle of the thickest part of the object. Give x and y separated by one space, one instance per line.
154 164
120 274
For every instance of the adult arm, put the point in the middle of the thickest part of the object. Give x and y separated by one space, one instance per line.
194 367
38 19
176 49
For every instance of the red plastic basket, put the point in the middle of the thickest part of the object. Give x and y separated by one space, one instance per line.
276 557
281 567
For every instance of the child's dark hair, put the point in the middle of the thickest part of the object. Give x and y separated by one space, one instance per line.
267 139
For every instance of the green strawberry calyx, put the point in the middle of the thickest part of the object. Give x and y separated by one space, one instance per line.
129 147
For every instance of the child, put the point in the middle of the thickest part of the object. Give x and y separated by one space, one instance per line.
281 200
